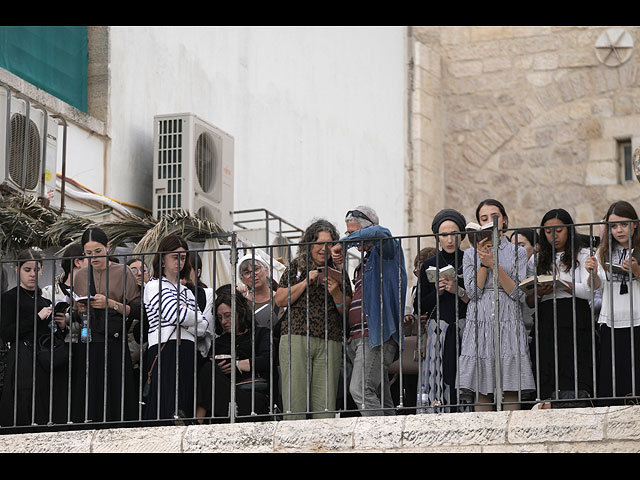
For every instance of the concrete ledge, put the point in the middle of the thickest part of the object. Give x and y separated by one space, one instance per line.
603 429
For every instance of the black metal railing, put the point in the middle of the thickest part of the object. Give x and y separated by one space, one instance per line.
477 344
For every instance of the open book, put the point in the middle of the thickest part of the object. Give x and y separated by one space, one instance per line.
76 298
528 284
445 272
478 233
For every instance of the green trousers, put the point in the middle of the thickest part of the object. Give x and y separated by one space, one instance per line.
322 381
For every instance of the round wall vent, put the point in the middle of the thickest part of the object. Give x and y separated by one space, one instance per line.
614 46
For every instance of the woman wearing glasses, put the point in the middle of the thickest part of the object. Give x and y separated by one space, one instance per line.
252 362
114 302
175 324
324 310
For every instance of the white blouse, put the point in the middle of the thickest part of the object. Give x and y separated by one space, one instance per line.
614 303
582 287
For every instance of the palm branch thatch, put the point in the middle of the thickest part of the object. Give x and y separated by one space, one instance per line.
190 227
26 223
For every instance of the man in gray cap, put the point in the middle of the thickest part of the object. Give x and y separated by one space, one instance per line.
377 307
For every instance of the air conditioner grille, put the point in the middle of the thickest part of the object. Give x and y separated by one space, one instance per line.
170 164
24 171
205 161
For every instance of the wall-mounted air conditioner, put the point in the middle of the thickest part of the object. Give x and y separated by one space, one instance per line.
193 168
28 146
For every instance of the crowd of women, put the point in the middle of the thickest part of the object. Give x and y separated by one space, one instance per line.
111 342
573 340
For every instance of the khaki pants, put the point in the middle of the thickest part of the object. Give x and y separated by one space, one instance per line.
322 387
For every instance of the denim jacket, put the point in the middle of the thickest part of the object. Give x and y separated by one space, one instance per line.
392 257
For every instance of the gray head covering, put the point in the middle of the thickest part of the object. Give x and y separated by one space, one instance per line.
449 214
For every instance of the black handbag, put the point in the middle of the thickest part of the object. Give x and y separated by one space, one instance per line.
52 356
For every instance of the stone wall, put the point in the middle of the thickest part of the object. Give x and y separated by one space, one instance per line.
602 429
527 115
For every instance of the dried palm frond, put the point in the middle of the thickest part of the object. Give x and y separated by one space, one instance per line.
26 223
188 226
23 221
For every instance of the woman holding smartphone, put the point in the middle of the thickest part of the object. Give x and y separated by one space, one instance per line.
477 366
26 317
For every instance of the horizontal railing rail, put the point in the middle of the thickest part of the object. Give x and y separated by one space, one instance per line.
316 338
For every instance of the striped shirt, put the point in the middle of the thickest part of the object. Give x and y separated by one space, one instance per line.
357 321
167 308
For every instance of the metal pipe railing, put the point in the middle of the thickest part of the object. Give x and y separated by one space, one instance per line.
35 401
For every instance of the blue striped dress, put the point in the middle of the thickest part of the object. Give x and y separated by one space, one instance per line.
477 368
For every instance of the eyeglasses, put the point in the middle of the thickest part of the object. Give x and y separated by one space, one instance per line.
226 316
358 213
247 273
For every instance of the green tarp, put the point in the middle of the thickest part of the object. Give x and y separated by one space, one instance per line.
53 58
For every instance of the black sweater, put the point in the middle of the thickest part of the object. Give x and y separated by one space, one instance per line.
429 291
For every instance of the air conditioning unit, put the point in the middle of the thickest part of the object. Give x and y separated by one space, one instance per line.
193 169
28 146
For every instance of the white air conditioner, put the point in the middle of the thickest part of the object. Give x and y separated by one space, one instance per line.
28 146
192 168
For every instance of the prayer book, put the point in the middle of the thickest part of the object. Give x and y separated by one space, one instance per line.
445 272
528 284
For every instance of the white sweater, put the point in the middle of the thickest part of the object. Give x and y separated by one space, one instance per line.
168 308
611 297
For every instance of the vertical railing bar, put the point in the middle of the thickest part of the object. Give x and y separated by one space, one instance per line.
555 312
53 325
573 305
631 319
592 314
612 336
234 264
496 313
35 347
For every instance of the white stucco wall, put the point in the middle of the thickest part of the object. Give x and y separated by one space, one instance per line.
318 114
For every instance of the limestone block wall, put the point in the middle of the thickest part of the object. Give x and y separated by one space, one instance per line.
527 115
602 429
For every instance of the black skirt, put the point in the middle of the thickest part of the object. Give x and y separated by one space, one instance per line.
215 399
91 400
557 341
623 363
164 408
50 403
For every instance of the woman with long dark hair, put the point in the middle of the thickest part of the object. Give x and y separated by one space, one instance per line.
103 386
252 346
175 324
25 323
619 329
562 255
